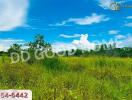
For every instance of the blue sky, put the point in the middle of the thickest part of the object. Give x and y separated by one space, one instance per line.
64 22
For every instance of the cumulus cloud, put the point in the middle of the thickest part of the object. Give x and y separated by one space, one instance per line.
12 14
88 20
70 36
61 46
126 42
6 43
112 32
83 43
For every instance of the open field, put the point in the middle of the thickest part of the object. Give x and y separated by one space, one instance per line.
71 78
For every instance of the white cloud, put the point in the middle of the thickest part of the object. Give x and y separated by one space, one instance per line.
129 17
128 24
12 14
88 20
58 24
61 46
70 36
112 32
105 3
120 37
6 43
126 42
83 43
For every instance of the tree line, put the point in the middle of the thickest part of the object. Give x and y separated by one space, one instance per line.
100 50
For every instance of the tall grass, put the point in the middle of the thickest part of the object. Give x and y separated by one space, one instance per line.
71 78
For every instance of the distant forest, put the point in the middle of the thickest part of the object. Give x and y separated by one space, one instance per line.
100 50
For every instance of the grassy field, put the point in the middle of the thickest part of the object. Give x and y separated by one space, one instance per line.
71 78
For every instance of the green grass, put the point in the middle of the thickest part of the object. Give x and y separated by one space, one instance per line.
71 78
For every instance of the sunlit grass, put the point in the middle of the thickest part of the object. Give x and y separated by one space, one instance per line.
71 78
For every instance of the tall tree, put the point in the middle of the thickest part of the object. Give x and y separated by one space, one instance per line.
15 48
39 43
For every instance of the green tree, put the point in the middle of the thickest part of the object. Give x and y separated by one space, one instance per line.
39 43
15 48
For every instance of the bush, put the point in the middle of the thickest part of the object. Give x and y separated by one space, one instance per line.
54 64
